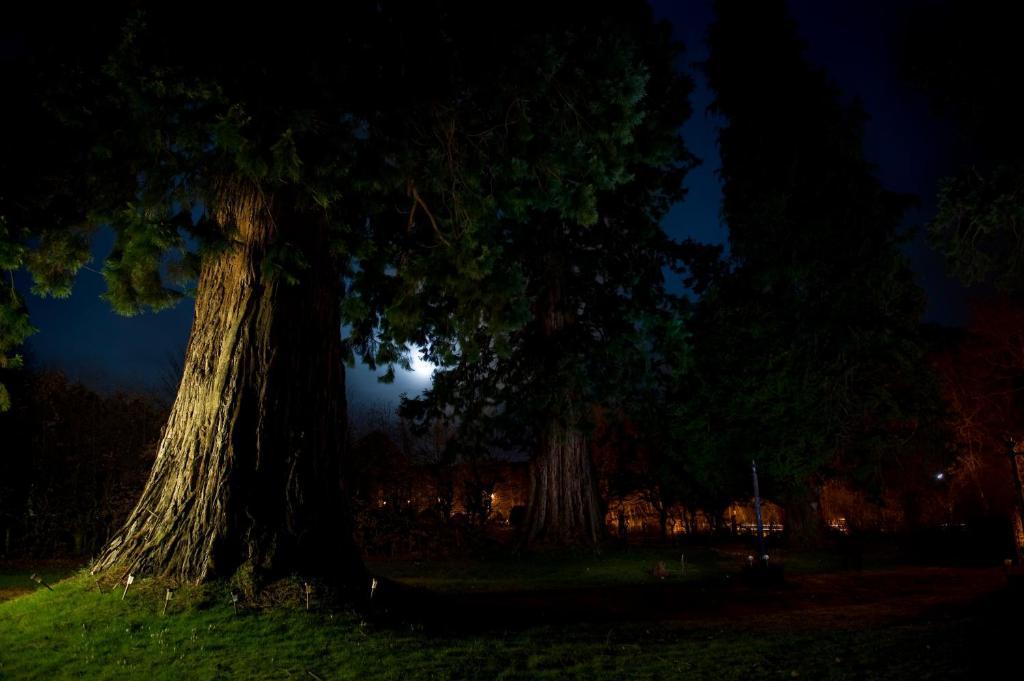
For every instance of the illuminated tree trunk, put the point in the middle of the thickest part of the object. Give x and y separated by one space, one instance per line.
563 506
247 472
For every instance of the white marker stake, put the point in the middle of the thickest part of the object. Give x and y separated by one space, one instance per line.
167 599
127 583
308 589
373 587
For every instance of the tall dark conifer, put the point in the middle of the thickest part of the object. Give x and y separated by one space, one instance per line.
808 349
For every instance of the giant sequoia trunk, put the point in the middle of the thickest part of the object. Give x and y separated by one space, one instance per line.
563 506
247 472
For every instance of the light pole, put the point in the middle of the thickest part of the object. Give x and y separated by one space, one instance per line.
757 513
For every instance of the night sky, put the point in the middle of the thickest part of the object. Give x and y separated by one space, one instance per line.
851 40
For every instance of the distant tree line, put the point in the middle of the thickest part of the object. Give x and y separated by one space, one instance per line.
73 463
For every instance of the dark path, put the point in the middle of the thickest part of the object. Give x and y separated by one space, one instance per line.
844 599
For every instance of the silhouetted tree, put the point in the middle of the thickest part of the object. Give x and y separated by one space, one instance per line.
979 222
73 464
981 377
963 55
808 352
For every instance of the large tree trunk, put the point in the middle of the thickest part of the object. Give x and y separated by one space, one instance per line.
247 475
563 506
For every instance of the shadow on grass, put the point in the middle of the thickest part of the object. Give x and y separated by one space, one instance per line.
831 600
16 578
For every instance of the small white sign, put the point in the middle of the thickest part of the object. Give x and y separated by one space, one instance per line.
127 583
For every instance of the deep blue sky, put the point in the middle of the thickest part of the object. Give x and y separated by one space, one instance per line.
850 39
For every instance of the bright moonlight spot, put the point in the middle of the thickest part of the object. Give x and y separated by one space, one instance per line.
421 367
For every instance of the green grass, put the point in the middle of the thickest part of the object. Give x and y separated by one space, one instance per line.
554 571
77 632
18 582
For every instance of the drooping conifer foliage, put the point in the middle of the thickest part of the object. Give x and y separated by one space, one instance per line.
379 165
580 297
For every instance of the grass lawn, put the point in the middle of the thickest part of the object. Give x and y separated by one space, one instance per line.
934 624
18 582
554 571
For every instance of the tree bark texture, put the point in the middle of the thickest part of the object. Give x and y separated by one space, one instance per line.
563 506
247 474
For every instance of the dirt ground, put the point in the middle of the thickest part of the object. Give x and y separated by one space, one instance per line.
802 602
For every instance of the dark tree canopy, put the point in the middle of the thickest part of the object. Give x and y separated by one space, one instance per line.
577 297
404 126
807 353
965 56
380 164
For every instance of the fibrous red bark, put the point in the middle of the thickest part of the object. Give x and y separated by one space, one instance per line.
247 473
563 506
